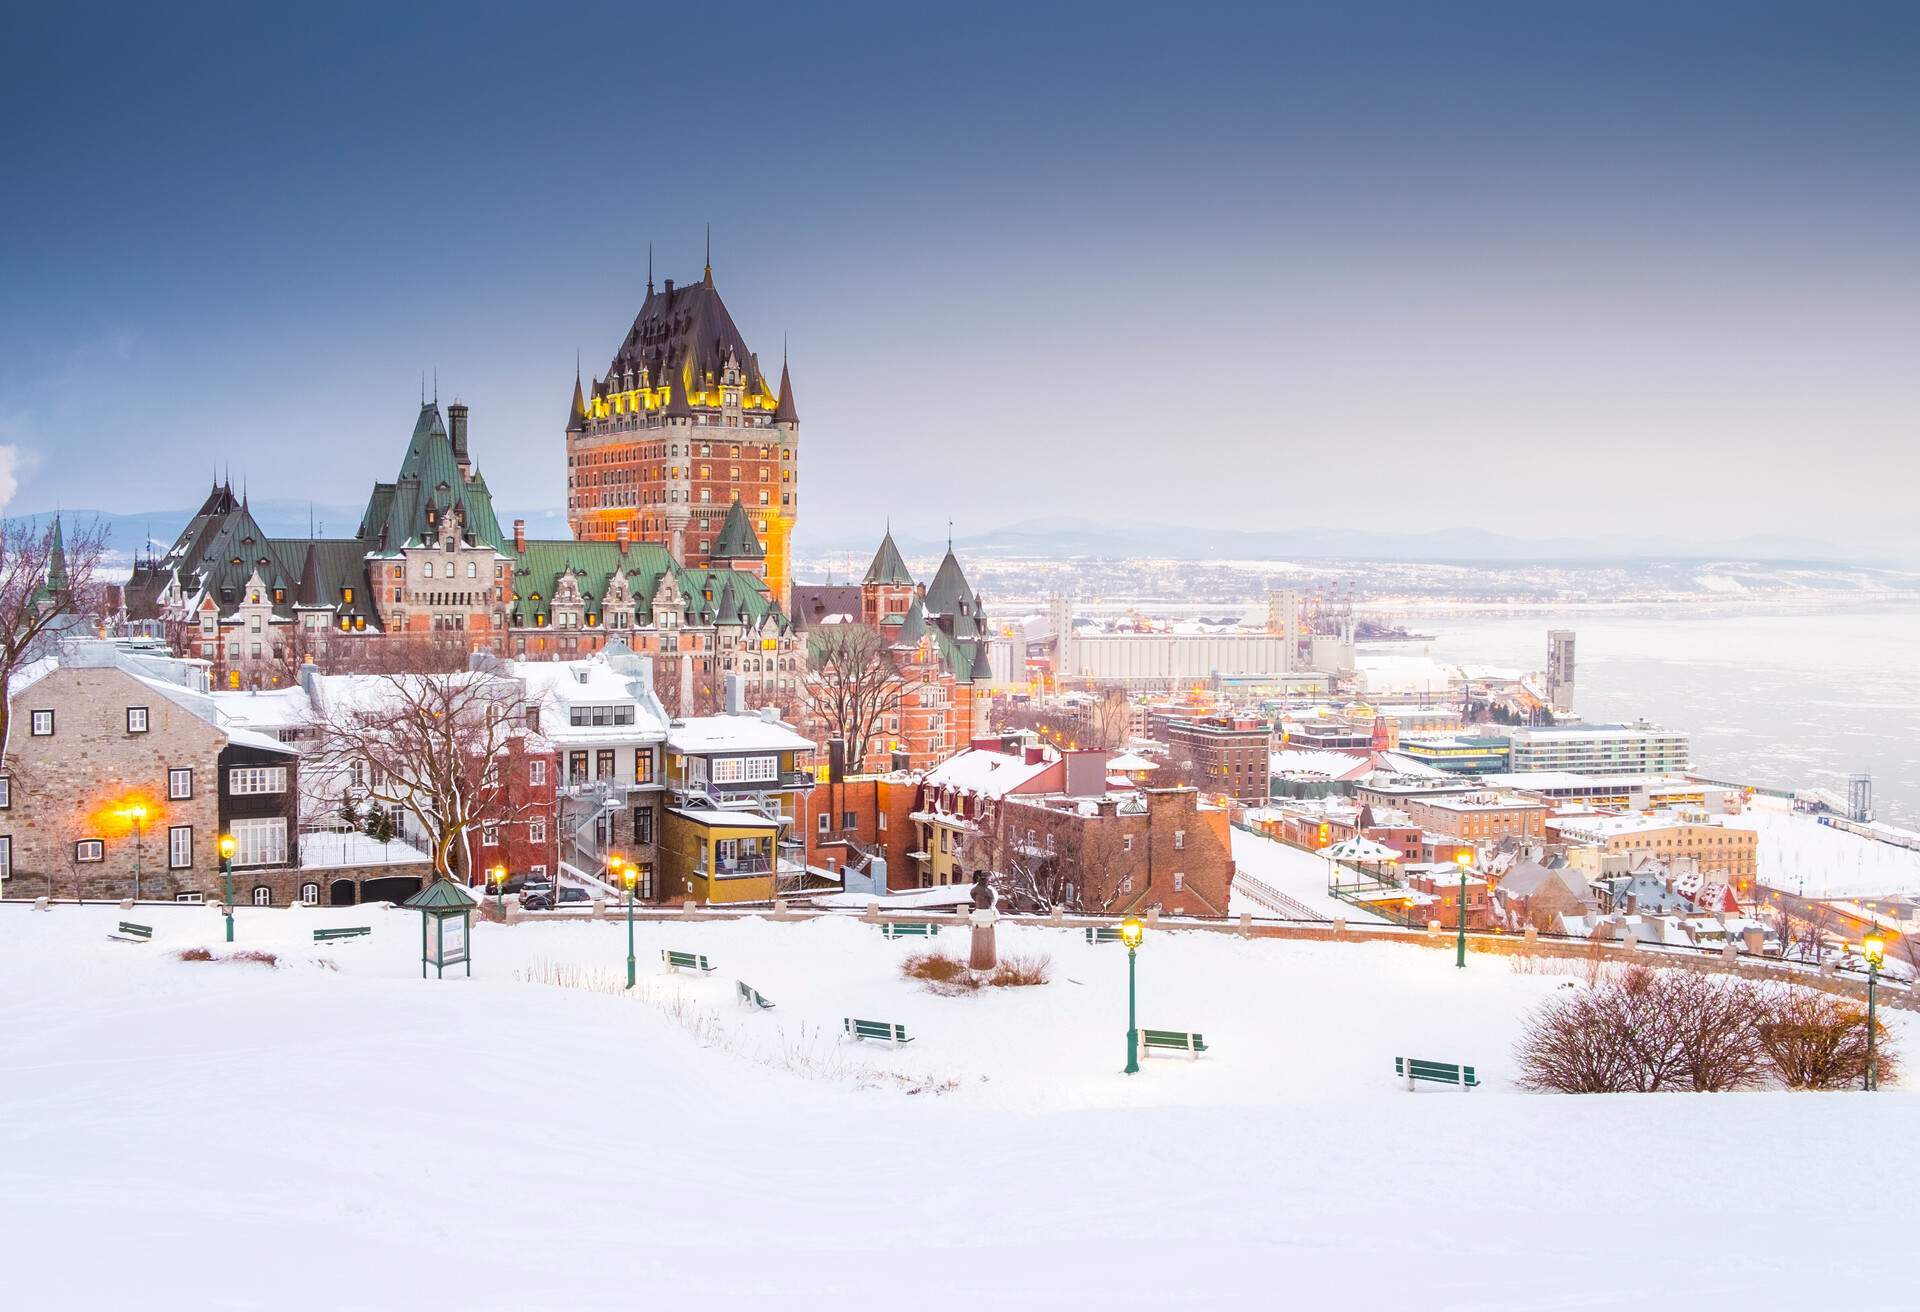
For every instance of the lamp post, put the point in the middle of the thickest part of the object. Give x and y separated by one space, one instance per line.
499 874
1131 932
1465 859
1874 949
136 812
627 874
228 846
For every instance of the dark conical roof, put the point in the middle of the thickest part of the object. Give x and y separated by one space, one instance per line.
309 593
737 540
577 417
887 566
685 334
786 412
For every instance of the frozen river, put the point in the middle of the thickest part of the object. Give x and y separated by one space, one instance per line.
1801 699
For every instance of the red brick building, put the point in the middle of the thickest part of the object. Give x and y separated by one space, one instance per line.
1226 755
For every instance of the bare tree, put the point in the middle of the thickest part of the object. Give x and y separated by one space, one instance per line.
1038 859
1817 1041
49 585
430 743
854 681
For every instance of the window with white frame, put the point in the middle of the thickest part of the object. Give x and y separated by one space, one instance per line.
1179 881
746 769
826 821
1126 842
536 831
180 847
246 780
309 895
188 897
260 842
136 719
537 773
43 724
490 835
6 856
262 895
6 792
1179 839
537 871
89 850
179 785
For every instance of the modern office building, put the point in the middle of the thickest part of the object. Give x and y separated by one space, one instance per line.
1637 748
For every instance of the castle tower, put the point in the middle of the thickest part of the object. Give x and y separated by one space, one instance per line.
683 427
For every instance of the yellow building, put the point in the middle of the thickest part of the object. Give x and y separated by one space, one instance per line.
715 856
734 830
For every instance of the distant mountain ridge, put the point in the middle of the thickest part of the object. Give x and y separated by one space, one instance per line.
1066 537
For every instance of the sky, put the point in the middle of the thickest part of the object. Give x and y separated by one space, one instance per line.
1549 269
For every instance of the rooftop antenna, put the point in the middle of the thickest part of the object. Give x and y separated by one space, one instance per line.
423 389
436 385
709 252
649 268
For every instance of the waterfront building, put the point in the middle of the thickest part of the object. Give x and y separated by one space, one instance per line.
1639 748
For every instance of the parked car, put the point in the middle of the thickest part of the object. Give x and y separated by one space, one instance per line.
536 895
575 895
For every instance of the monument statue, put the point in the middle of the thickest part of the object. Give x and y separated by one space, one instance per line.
985 955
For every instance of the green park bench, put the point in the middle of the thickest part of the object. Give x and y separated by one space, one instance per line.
884 1031
1438 1072
1172 1041
684 960
345 931
132 933
1102 934
909 929
751 997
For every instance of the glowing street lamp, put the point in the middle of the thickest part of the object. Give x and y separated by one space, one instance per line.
228 846
135 813
1464 857
627 873
499 874
1874 949
1131 932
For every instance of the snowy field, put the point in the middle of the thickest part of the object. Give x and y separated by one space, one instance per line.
1799 853
1298 875
211 1135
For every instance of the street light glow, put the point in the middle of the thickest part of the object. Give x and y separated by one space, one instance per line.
1464 857
1132 931
1874 949
228 846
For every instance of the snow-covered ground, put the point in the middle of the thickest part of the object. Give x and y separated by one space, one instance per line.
212 1135
1798 852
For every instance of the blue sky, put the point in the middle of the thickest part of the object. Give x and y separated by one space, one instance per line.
1545 267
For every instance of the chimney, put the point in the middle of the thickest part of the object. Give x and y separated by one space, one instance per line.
736 695
836 759
669 286
457 432
520 537
623 534
987 743
1035 754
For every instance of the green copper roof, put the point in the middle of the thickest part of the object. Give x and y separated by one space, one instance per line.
887 566
441 895
737 540
539 568
428 486
949 594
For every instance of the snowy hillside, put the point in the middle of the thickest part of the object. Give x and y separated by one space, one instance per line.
1799 853
205 1135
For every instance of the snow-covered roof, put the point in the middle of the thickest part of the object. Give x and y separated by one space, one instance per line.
703 734
1131 761
264 742
326 850
1319 764
989 773
267 708
730 819
1362 848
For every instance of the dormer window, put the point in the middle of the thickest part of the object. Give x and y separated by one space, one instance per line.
346 596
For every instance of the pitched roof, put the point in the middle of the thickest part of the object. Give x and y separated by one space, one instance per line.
887 566
538 568
430 483
682 337
737 540
949 593
577 415
786 412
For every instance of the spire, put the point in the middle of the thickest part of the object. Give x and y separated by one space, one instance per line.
57 560
649 275
737 540
708 278
786 412
577 416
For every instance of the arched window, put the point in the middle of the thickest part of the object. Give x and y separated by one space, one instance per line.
262 896
309 895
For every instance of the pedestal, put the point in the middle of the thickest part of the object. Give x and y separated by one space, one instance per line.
985 955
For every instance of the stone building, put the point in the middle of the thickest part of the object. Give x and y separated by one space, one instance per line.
122 776
684 425
1126 851
1225 755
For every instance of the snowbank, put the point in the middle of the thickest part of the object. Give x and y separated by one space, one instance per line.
1797 852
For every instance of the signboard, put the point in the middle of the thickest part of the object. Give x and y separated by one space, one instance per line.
453 940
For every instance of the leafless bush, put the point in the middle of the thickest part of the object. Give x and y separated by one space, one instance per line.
1015 972
254 955
942 974
1650 1030
194 954
1814 1040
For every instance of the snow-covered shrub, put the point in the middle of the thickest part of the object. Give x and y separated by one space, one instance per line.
1814 1040
941 973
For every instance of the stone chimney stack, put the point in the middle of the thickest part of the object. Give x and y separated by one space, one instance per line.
623 534
520 537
